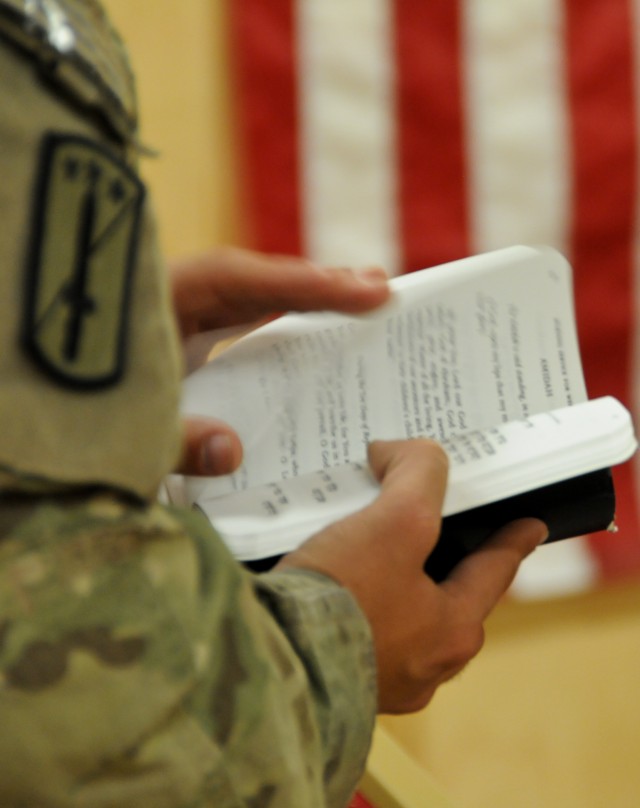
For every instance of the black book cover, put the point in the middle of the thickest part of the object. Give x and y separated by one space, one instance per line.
584 504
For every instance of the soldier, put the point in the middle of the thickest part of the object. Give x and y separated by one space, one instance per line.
140 665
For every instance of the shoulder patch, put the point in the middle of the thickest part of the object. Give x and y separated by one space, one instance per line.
84 237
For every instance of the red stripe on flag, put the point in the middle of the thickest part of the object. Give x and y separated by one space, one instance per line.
431 154
264 66
600 71
359 801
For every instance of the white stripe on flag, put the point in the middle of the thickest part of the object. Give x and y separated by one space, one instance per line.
519 180
556 570
347 132
517 127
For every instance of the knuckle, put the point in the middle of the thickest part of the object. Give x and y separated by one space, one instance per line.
436 453
416 701
411 514
422 675
464 644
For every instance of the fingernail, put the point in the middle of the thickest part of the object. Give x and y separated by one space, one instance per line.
543 534
538 528
217 455
372 275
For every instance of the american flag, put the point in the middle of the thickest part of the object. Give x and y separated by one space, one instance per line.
408 134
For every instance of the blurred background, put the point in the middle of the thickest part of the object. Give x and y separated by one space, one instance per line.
408 134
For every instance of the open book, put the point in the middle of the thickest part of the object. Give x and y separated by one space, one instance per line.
480 354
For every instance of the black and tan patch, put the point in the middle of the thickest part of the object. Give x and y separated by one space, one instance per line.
84 239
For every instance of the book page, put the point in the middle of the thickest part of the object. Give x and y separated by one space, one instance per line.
485 466
465 346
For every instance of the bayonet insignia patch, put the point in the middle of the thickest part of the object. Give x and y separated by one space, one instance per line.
84 239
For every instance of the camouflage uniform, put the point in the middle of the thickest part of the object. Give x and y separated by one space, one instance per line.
139 664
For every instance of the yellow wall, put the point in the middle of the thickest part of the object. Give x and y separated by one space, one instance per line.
549 714
177 48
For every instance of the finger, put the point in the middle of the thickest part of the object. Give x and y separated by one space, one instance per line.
418 467
397 531
413 478
210 448
315 288
268 284
484 576
233 286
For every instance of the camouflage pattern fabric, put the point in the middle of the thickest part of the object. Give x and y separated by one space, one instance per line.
141 666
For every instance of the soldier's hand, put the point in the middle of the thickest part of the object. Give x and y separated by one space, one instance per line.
232 287
424 633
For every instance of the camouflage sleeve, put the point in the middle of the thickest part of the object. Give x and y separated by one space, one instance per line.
141 666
